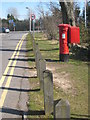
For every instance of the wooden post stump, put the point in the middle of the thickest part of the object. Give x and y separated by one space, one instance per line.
48 92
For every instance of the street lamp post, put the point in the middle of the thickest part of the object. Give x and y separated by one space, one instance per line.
33 17
85 14
29 18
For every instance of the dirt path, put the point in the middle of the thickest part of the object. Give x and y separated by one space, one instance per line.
61 79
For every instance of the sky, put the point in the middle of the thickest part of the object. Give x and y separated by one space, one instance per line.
21 5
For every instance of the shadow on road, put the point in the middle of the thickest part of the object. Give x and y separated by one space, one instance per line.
20 90
30 68
34 113
17 76
11 111
25 60
12 50
21 112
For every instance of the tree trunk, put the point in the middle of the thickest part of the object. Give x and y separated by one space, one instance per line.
67 12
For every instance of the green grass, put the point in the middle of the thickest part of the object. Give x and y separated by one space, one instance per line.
48 49
36 98
78 75
79 98
29 47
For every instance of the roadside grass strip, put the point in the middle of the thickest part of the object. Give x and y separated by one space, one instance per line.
17 51
70 80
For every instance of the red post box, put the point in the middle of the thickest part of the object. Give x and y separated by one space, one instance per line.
63 42
74 35
67 34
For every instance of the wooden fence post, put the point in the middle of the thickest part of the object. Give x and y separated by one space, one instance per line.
36 50
48 92
38 57
34 46
42 68
62 110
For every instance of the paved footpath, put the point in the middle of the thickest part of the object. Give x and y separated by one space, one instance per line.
14 84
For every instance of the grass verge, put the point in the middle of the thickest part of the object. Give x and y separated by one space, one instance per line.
78 77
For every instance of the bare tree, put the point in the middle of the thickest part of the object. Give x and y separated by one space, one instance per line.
77 13
51 19
13 11
67 12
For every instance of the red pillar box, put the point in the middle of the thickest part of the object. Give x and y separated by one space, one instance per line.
74 35
63 42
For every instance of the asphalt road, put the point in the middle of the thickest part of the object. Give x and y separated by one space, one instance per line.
14 74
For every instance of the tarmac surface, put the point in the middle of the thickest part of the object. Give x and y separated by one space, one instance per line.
14 74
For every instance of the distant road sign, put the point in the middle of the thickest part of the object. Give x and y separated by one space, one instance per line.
10 21
32 16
